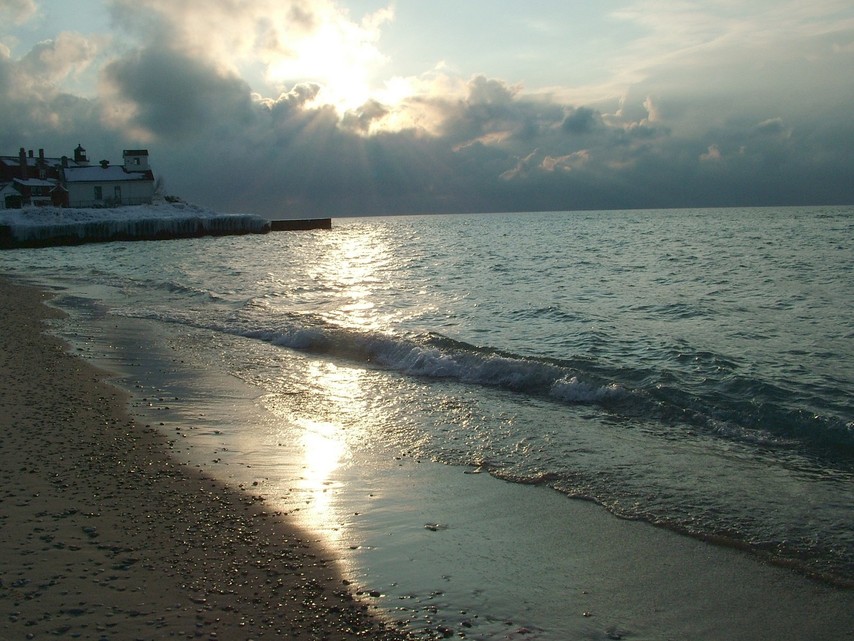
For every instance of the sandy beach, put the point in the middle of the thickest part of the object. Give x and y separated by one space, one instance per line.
104 536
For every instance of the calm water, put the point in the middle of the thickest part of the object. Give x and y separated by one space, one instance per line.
692 368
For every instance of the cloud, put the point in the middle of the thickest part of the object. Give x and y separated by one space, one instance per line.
31 100
17 11
223 32
488 111
39 74
278 42
52 61
298 97
773 127
539 163
566 163
364 118
712 154
580 120
161 93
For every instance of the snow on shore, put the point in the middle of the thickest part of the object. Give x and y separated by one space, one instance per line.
42 226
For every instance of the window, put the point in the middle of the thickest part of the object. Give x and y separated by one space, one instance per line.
117 193
99 193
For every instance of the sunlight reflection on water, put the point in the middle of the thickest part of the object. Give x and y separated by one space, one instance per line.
323 449
326 421
351 271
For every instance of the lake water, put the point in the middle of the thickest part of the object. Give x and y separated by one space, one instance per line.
689 368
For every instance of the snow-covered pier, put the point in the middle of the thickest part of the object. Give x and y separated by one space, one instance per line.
50 226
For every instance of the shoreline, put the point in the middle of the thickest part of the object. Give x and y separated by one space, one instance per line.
482 571
233 565
104 535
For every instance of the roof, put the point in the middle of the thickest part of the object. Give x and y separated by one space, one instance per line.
111 173
15 161
35 182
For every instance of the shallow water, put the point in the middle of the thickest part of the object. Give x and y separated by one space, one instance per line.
690 368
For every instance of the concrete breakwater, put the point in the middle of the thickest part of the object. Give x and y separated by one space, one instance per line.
64 231
301 224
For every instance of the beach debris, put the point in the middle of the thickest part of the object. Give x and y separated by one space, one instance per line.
435 527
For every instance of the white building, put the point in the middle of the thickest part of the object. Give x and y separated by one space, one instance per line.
29 180
106 185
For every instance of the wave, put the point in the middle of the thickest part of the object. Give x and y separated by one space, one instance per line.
434 356
429 356
750 411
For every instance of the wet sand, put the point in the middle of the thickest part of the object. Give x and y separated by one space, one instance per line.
104 536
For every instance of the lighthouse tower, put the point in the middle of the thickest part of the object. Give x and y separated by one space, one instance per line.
80 156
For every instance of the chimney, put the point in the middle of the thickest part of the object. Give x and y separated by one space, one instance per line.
65 162
41 155
22 157
31 153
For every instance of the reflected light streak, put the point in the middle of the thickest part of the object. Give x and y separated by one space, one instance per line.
326 429
353 269
323 450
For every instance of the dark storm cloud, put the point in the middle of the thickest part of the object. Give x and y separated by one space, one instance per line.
175 95
580 121
492 109
496 150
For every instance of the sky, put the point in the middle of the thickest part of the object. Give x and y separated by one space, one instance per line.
293 108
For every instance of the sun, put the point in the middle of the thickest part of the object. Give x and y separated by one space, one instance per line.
340 57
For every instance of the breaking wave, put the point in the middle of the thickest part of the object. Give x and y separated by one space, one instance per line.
434 356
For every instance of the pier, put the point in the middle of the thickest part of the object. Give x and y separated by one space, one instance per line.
302 224
60 228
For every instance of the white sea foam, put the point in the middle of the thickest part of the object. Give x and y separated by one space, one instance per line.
572 390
